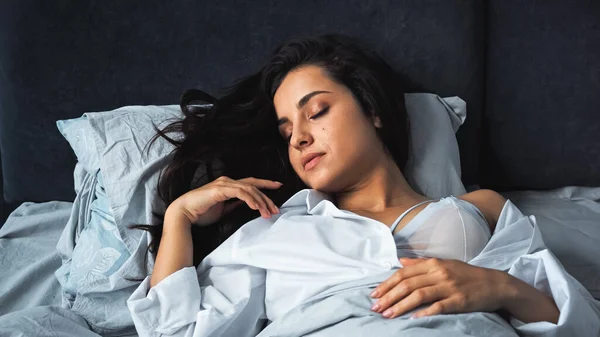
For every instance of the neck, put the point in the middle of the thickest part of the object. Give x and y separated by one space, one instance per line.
385 187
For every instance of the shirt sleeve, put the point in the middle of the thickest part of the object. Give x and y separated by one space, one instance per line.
578 315
517 247
224 301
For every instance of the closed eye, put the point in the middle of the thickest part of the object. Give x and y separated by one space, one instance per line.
320 113
317 115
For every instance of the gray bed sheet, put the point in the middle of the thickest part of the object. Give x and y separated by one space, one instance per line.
569 219
28 255
30 294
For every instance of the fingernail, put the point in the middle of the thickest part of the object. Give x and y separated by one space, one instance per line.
374 293
278 182
375 307
413 316
387 313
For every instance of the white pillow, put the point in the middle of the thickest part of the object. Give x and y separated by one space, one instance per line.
113 141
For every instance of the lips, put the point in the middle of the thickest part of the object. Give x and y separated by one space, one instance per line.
311 160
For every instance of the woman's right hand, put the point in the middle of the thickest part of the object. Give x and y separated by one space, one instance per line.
205 205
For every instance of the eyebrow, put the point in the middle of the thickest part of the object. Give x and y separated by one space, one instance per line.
302 102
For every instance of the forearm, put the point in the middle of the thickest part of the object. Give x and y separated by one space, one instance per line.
176 249
527 303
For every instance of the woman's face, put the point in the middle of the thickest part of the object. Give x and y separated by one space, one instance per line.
319 116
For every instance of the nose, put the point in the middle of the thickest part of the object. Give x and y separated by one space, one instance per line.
300 138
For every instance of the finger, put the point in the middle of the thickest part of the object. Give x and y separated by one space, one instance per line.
415 299
258 201
399 276
262 183
270 204
404 289
404 261
233 191
447 306
259 196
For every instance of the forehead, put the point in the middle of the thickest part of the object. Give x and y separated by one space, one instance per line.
297 84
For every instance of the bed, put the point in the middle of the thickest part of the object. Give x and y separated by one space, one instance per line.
567 218
531 131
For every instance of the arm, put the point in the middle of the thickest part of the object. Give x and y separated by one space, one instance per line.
482 284
522 301
176 249
527 303
224 300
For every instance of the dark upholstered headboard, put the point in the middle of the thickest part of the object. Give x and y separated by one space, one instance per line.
541 126
60 59
534 66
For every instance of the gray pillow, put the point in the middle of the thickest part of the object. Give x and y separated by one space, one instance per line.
113 141
433 168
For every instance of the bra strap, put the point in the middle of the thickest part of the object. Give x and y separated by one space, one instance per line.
395 224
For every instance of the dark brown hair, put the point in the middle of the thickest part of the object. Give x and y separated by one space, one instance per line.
236 135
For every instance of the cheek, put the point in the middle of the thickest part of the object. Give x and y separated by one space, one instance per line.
294 157
326 138
350 144
335 140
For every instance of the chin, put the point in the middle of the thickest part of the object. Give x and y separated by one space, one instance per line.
320 181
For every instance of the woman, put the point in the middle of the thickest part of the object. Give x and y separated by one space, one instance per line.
335 108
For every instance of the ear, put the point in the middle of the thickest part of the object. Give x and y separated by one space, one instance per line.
376 121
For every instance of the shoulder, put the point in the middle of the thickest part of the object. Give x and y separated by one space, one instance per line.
489 202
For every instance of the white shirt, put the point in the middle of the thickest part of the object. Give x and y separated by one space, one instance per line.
308 247
269 266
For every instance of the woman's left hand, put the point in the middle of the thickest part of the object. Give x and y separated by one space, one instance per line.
452 286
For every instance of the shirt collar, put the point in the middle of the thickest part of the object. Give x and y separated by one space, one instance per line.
316 202
307 197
